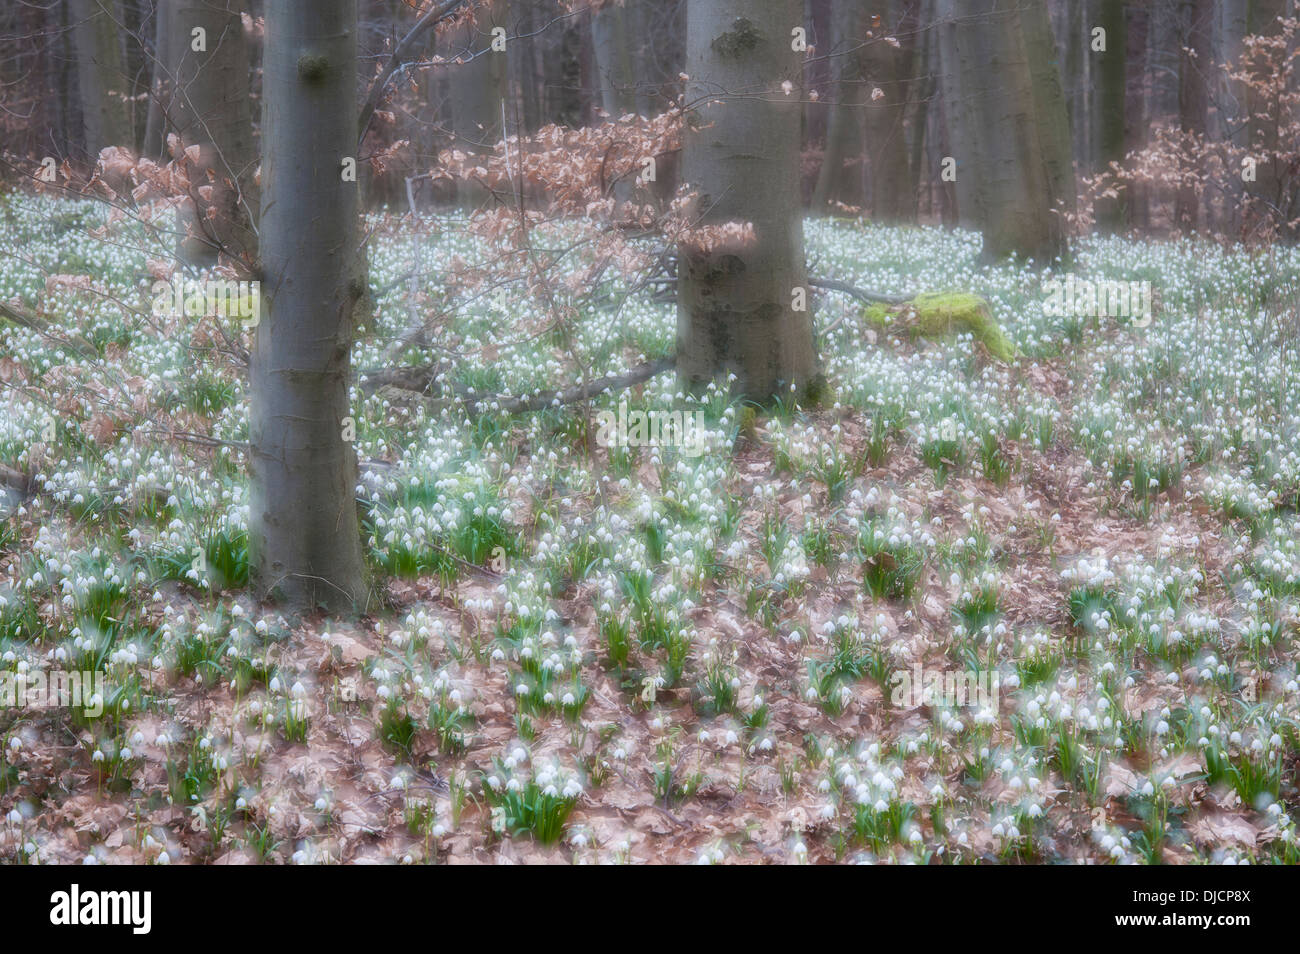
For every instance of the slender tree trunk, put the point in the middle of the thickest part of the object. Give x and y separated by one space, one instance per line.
888 69
1165 37
304 538
1230 34
1111 84
101 75
69 94
586 71
1005 172
1136 108
609 44
818 74
641 20
1079 66
478 88
1228 118
1050 110
926 86
1195 70
955 146
211 110
841 180
162 86
1263 132
1164 50
612 61
526 66
137 70
735 313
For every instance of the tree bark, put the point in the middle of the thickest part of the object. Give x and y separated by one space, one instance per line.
1194 69
101 75
211 110
1109 115
998 125
478 88
1052 115
304 536
1075 25
888 69
841 180
1264 113
526 67
1229 35
1137 76
610 46
161 86
741 158
926 85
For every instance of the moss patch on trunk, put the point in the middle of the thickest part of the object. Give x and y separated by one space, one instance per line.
941 315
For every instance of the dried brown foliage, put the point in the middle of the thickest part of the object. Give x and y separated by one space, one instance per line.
1245 187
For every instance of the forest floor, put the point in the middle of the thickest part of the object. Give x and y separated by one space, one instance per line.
582 653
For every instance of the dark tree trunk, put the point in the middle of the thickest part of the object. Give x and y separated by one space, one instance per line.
734 312
888 68
1005 119
478 88
1194 73
162 85
304 537
612 54
841 180
101 75
1110 67
1136 110
211 110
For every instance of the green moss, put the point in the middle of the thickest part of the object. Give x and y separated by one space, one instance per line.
877 315
313 68
748 422
943 314
740 39
818 391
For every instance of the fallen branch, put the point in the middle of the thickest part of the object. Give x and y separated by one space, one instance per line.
407 378
861 294
38 324
579 392
422 377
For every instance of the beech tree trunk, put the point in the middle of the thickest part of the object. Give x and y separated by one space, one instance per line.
741 158
526 67
304 537
1052 114
841 180
1000 126
211 109
478 88
161 86
1137 31
926 84
888 68
610 45
1264 113
1110 69
101 75
1195 68
1230 32
1072 32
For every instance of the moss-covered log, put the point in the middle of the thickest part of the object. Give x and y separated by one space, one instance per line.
941 315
